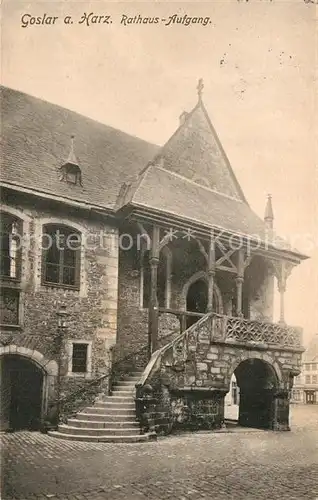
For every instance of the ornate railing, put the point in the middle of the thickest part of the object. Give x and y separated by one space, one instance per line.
256 331
223 329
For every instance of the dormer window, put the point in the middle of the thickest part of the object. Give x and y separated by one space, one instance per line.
70 170
71 174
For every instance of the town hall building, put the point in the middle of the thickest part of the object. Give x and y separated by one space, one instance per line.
135 281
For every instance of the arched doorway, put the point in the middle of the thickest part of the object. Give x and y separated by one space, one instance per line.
257 382
197 300
21 393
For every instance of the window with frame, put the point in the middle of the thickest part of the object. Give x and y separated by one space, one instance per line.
61 247
314 379
314 366
79 357
307 379
10 246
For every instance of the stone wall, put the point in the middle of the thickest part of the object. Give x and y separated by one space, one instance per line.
92 310
185 383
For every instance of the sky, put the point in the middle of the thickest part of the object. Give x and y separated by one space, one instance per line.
259 63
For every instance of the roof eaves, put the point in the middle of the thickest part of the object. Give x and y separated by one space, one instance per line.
48 195
296 256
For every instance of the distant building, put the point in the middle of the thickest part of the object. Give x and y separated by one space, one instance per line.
305 388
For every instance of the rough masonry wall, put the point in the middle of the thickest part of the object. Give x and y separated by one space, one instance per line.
92 310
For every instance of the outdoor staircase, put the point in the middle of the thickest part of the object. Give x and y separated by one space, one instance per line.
111 418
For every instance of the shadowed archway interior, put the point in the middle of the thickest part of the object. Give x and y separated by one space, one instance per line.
257 382
197 299
21 393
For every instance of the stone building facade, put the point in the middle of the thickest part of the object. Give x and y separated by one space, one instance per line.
305 389
119 256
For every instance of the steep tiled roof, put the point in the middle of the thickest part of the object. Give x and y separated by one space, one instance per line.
116 168
195 152
171 193
36 139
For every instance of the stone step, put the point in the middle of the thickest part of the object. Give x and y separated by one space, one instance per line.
126 383
105 417
103 439
93 431
123 393
124 387
117 399
99 424
110 410
116 404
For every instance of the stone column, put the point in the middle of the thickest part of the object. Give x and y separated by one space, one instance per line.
282 270
281 411
211 274
281 289
239 282
153 312
183 322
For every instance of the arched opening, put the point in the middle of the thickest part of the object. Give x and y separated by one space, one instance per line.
232 401
197 300
257 381
196 293
21 393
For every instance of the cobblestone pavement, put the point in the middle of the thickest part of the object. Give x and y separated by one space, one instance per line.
238 465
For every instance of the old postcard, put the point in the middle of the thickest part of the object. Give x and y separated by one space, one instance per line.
159 250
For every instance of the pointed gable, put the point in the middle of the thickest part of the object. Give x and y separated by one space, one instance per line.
195 152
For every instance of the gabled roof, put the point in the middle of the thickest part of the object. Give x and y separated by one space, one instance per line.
116 170
36 139
159 189
195 152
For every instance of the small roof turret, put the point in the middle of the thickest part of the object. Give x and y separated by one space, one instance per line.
72 160
269 213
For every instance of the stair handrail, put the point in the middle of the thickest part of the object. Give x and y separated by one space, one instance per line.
155 360
97 380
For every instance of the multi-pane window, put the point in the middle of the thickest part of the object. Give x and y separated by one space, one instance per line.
307 379
79 358
61 256
314 366
10 246
314 379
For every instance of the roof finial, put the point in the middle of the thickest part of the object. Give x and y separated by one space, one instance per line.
71 157
269 213
200 88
